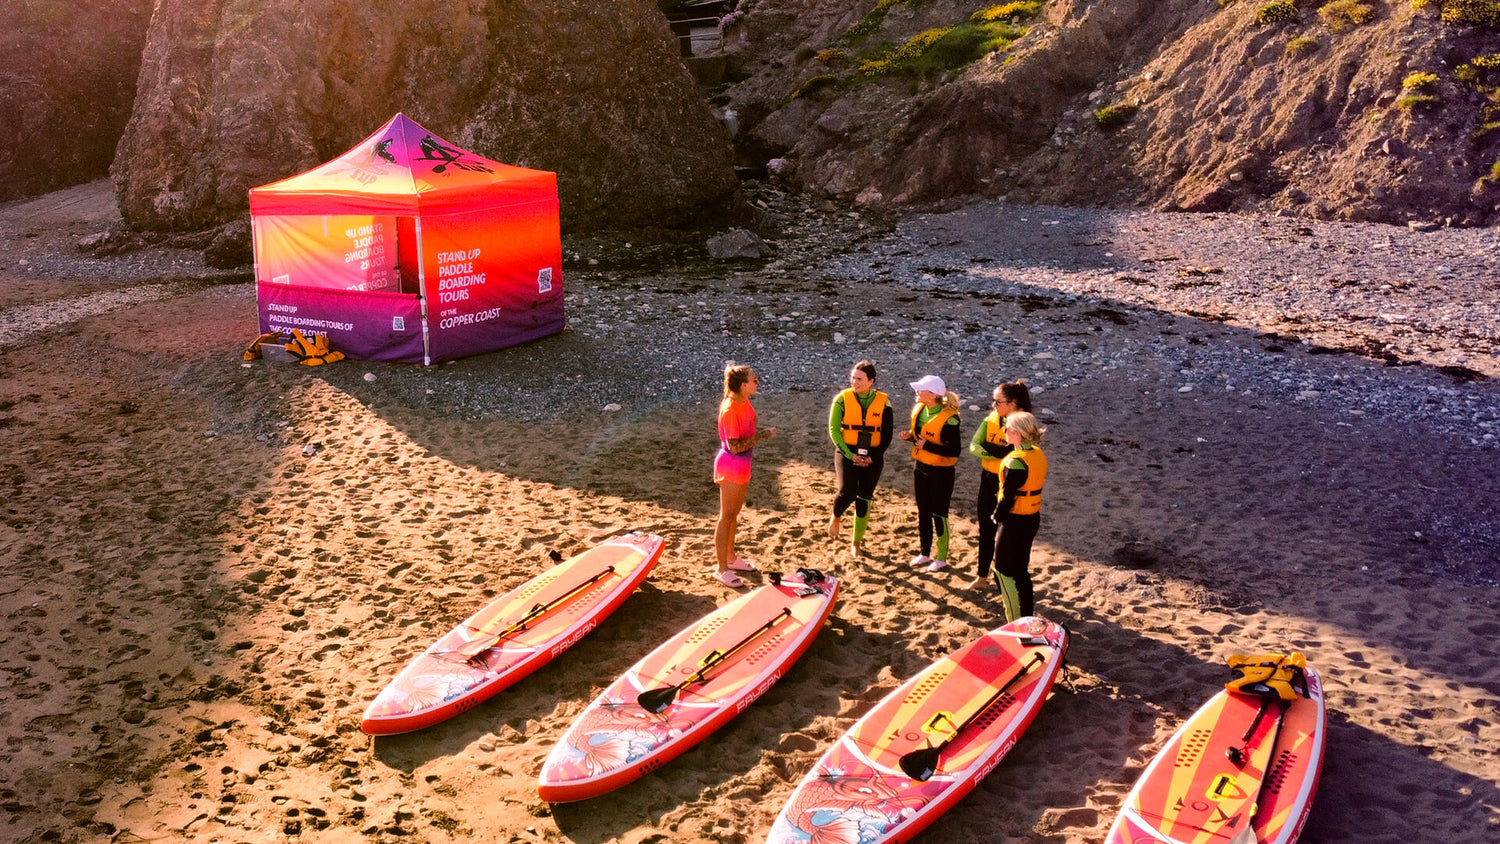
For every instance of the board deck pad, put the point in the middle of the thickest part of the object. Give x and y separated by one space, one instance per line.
513 635
857 793
616 740
1193 793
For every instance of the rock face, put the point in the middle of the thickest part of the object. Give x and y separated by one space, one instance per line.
238 93
67 79
1212 110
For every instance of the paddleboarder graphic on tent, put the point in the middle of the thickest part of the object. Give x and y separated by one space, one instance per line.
432 150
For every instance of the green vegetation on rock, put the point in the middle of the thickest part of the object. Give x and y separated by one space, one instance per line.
1481 13
815 84
1112 117
1341 13
940 49
1007 12
936 50
1411 102
1301 45
1277 11
1419 80
871 22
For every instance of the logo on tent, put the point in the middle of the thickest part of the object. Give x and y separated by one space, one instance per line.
432 150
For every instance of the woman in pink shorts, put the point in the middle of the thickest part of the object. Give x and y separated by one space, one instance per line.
737 438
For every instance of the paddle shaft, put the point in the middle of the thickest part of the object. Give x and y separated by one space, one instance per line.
921 764
1247 835
999 693
1237 754
531 615
658 699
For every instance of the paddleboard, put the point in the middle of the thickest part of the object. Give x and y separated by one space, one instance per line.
971 706
513 635
1193 793
694 683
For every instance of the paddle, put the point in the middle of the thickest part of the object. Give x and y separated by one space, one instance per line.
920 765
1237 756
657 700
487 639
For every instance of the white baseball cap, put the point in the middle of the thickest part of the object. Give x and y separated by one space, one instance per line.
930 383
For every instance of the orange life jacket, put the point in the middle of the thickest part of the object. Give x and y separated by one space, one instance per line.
932 432
994 434
1029 498
862 427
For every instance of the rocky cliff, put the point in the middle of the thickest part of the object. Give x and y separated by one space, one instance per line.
1380 110
1334 109
237 93
67 78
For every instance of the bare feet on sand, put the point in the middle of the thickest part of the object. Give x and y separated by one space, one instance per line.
834 525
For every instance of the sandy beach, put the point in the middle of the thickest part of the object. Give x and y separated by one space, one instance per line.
209 567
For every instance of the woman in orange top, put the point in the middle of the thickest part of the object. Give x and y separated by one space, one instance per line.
737 438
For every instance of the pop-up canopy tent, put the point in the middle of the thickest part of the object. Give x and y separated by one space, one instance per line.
407 248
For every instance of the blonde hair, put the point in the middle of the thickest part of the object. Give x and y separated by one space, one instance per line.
1025 424
950 400
735 376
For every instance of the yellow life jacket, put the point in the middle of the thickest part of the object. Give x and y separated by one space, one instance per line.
862 427
1029 498
994 434
932 432
312 351
1269 675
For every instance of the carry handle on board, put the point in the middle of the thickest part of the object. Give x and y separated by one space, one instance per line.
657 700
921 764
487 639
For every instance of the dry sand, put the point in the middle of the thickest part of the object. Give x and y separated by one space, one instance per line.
208 569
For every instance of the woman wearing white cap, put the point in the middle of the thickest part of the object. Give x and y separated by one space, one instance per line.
936 444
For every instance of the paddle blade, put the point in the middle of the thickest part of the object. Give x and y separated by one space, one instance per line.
920 765
657 700
475 647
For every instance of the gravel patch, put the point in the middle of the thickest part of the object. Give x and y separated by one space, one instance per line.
1058 296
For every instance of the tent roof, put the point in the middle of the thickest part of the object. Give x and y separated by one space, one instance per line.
403 169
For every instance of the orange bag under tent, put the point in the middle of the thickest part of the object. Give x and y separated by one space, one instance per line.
407 248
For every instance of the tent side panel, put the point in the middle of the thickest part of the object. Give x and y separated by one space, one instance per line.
362 325
336 252
493 278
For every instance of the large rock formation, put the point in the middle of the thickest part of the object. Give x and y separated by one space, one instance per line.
67 80
237 93
1211 106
